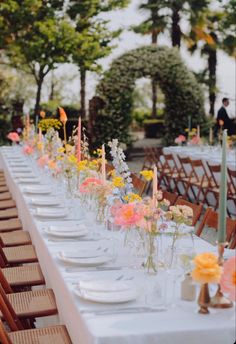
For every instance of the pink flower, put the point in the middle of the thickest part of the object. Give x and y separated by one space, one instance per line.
13 136
126 215
43 160
180 139
28 150
228 278
88 185
196 140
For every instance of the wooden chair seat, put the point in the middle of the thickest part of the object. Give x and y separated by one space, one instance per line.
5 196
15 238
8 213
53 334
7 204
25 275
20 254
10 225
3 183
35 303
169 196
4 189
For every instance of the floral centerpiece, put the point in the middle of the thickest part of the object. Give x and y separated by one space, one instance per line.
180 140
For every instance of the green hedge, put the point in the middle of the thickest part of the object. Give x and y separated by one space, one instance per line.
183 95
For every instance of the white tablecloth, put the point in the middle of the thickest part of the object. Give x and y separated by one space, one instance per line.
176 325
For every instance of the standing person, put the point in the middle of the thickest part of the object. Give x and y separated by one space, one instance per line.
223 119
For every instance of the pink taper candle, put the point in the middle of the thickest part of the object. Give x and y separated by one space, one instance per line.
79 141
40 135
103 163
198 131
154 183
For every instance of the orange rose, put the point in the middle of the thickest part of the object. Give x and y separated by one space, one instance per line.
42 114
207 269
63 117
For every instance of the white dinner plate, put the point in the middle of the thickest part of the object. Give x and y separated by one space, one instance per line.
105 285
17 164
66 232
29 180
94 258
37 189
50 213
105 297
43 201
21 169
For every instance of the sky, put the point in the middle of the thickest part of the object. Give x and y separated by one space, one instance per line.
226 69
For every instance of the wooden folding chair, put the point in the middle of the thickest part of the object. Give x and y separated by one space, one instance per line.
215 187
17 255
6 204
231 195
3 183
170 196
45 335
15 238
10 225
197 209
19 277
198 179
3 189
184 171
138 183
168 173
24 307
4 196
8 214
210 219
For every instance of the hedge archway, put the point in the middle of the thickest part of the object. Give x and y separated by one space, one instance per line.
183 95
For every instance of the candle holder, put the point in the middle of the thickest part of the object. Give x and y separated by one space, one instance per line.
204 299
219 300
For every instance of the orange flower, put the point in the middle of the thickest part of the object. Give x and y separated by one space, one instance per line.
42 114
63 117
207 269
221 122
228 279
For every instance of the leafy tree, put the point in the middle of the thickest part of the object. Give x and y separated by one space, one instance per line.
206 30
40 40
155 24
96 39
228 28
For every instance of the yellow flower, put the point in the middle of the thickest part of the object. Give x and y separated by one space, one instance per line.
112 173
72 159
186 129
98 152
40 146
148 175
93 164
82 165
118 182
207 269
61 150
132 197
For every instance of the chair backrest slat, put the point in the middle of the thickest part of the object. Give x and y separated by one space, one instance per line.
169 196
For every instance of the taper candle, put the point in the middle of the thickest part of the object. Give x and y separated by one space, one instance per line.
103 163
40 135
211 136
79 141
154 185
198 131
223 192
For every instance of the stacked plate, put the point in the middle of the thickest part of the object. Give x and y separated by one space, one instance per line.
37 189
72 231
106 291
50 213
84 257
45 201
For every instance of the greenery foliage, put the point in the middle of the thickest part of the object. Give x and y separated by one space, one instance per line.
183 95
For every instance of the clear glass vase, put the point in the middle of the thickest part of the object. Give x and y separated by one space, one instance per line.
151 261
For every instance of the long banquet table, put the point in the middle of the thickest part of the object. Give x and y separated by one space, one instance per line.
181 324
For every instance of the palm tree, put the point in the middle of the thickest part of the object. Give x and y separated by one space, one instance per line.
155 24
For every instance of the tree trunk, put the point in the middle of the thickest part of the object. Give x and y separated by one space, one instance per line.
154 83
83 92
175 29
212 63
38 98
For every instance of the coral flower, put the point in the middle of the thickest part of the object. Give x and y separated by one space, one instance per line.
42 114
228 279
89 184
207 269
13 136
28 150
43 160
180 139
63 117
127 215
